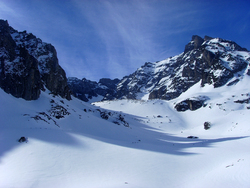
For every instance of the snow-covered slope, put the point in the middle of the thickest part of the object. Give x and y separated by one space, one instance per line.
126 143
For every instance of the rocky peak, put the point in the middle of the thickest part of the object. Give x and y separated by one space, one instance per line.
210 60
29 65
195 43
207 38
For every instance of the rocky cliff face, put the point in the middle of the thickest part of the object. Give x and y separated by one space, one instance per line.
211 61
29 65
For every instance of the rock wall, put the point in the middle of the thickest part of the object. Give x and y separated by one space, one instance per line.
29 65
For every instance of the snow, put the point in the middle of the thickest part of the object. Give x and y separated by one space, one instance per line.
85 150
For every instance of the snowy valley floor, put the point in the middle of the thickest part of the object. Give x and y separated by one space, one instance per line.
81 149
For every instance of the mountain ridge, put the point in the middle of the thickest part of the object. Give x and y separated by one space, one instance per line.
212 61
29 66
86 90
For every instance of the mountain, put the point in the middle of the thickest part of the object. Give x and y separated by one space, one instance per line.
212 61
29 65
207 60
87 90
198 137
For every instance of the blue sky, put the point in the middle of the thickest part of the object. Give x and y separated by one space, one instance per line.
112 38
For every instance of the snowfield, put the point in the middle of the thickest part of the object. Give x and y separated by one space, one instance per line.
71 145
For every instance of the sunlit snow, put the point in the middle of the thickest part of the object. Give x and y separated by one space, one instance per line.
83 150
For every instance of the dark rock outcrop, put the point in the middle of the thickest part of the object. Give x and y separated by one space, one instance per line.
23 139
29 65
195 43
193 137
207 125
19 74
191 104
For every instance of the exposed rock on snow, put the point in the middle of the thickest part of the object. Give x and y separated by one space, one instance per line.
192 137
207 125
23 139
191 104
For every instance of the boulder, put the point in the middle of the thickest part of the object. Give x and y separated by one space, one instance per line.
23 139
207 125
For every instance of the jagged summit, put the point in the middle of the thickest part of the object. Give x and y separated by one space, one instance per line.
210 60
28 65
197 42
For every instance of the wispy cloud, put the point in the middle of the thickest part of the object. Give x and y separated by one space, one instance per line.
4 9
8 12
132 32
112 38
125 31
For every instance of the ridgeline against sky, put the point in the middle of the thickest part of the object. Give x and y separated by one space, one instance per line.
106 38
